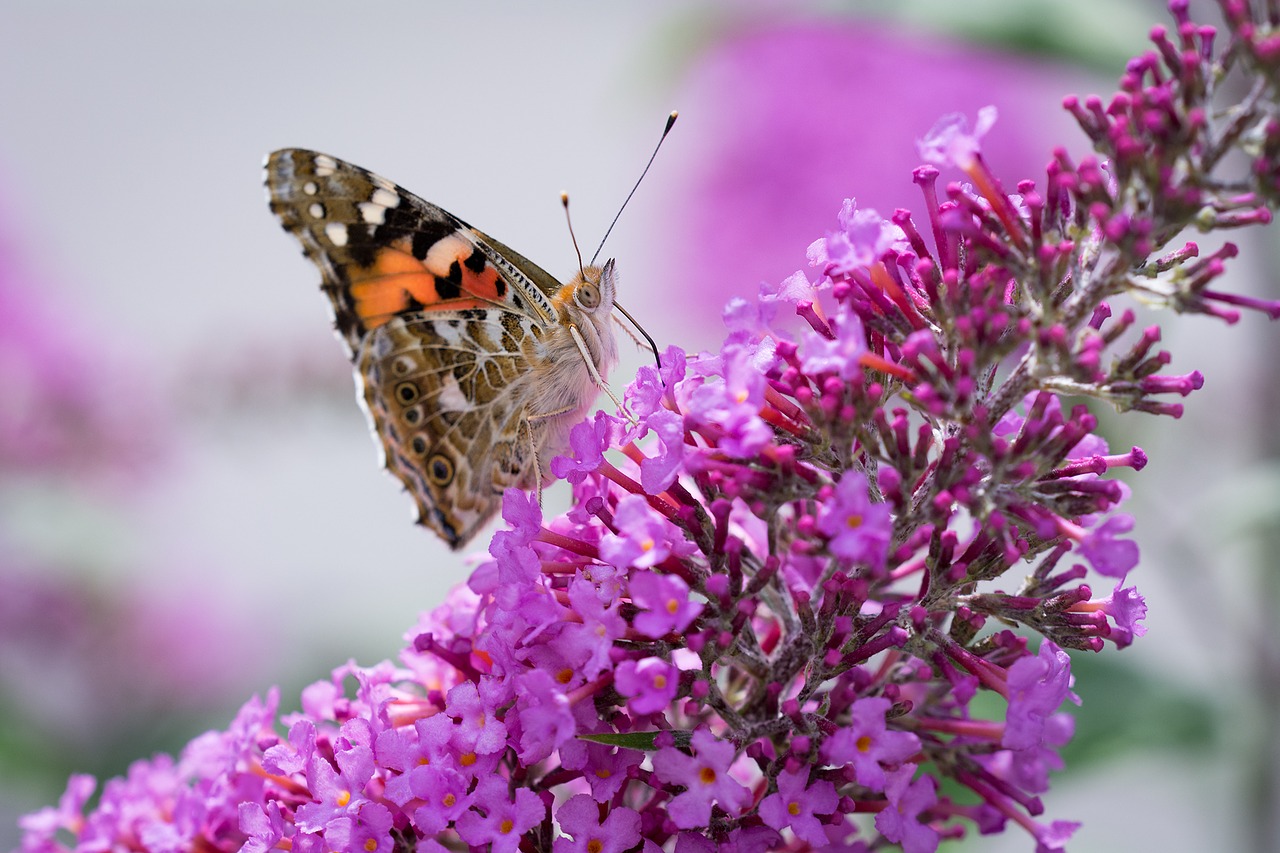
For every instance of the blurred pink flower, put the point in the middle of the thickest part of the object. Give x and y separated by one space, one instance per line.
70 403
87 664
795 119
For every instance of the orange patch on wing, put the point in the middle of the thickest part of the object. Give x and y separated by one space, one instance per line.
384 289
397 279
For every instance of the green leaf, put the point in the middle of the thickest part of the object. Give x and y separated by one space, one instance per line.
638 740
1129 708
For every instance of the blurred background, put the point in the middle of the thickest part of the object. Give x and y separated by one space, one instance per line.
190 507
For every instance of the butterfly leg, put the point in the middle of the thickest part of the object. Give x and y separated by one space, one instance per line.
533 451
526 424
595 374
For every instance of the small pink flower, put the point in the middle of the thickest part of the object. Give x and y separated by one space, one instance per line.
505 821
1037 687
900 822
665 604
796 804
649 684
580 818
951 143
859 528
705 774
868 744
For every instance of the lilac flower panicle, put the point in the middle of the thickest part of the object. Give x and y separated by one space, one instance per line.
792 564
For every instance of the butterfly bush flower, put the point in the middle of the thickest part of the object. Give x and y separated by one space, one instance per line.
798 805
792 565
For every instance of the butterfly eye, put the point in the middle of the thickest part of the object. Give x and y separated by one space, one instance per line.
587 296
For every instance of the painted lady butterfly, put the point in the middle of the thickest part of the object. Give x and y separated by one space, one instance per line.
473 362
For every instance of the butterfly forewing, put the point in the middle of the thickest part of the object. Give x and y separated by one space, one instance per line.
383 251
454 337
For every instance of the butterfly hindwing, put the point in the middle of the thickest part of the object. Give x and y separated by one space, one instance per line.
438 387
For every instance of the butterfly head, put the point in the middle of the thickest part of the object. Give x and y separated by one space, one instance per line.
586 303
592 290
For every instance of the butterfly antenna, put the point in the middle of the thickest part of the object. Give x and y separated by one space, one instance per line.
657 358
671 120
564 199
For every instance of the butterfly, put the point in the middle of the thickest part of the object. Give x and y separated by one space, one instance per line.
472 361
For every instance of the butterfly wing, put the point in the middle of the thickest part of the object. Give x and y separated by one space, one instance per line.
447 392
440 322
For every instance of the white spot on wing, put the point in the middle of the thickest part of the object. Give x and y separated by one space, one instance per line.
372 213
451 334
310 188
444 252
337 233
385 197
325 165
451 398
316 210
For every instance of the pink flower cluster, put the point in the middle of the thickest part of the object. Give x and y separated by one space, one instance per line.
791 564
